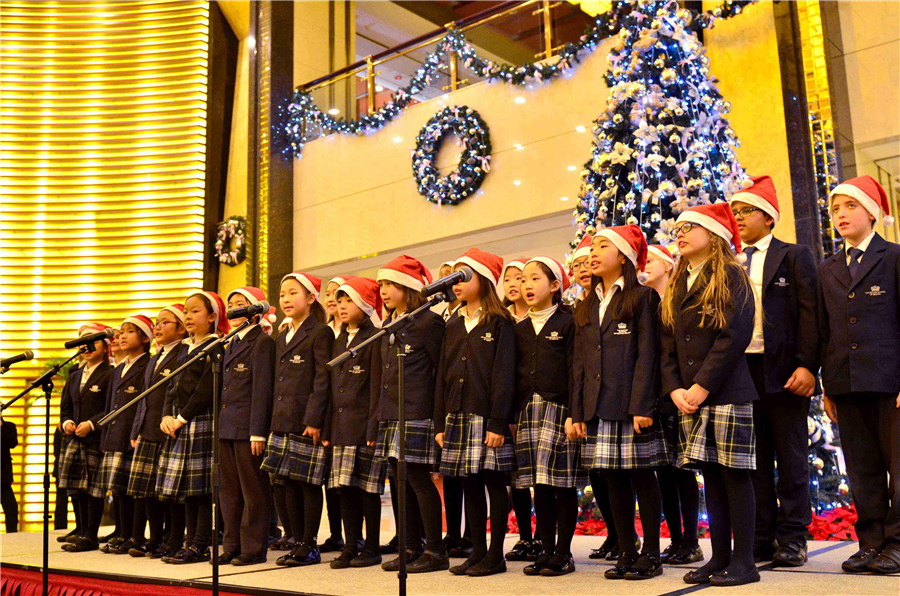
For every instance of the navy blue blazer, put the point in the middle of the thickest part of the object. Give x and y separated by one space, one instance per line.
859 321
191 392
80 405
149 412
248 381
116 435
355 389
544 360
301 378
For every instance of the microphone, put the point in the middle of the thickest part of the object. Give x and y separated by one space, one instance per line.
89 339
464 274
245 312
7 362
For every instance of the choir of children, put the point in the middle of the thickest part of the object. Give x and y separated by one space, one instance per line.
705 361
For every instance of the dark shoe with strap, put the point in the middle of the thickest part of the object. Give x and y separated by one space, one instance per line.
537 547
685 554
540 563
143 550
669 551
726 578
83 544
462 549
283 543
859 561
189 555
160 552
646 567
391 547
307 553
887 562
332 545
791 554
429 561
479 569
69 538
622 566
366 558
343 561
600 553
249 559
394 564
520 551
559 564
107 538
122 548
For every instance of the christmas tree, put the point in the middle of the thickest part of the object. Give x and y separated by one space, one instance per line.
663 143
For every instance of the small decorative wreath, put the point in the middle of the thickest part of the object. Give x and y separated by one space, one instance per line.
474 163
233 232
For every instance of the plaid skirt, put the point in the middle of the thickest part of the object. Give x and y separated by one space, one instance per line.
294 457
353 465
114 471
144 466
464 450
543 452
721 434
421 448
79 469
613 444
185 462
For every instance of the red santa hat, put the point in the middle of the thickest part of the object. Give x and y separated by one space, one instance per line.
559 272
266 322
254 296
759 192
662 252
484 263
515 264
89 328
142 322
177 310
311 283
366 294
717 218
584 248
870 195
339 280
405 271
630 241
218 306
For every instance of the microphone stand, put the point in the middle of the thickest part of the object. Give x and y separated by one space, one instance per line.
215 361
45 381
444 296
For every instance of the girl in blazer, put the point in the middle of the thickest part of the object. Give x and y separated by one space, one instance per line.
707 322
473 406
616 390
355 386
295 458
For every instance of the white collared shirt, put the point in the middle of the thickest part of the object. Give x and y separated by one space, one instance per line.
470 322
351 333
540 317
162 353
606 298
193 344
243 332
863 246
335 325
756 277
126 364
693 274
512 310
291 330
86 373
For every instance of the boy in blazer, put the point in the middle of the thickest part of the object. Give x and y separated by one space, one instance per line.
783 359
859 319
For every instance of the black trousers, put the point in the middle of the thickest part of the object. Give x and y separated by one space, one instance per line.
870 437
782 435
244 499
10 508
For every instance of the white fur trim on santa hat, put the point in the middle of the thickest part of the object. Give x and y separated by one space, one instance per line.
140 325
479 268
865 200
662 254
357 299
179 314
581 251
552 265
253 300
624 247
707 222
756 201
398 277
303 281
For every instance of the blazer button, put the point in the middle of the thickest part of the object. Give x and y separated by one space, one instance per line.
227 369
852 320
687 338
282 359
387 365
598 376
113 422
280 378
690 362
385 386
341 389
534 353
599 348
851 295
462 380
854 346
463 358
340 410
279 398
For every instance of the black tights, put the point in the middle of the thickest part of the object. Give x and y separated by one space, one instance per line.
91 514
423 502
680 503
601 496
304 505
124 515
198 521
731 506
556 510
333 507
521 503
476 512
279 495
152 511
356 505
623 484
453 507
177 524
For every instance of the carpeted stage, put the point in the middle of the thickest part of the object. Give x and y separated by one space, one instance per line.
95 574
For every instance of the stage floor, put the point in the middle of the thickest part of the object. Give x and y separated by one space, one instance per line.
821 576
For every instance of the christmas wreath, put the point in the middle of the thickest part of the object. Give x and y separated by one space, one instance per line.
231 233
474 163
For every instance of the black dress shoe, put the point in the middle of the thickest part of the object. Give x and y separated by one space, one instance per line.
887 562
537 547
366 558
187 556
540 563
600 553
332 545
307 553
83 544
121 548
790 555
764 552
646 567
686 554
343 561
462 549
108 537
725 578
143 550
71 537
429 561
481 570
669 551
248 559
622 566
698 576
226 557
520 551
283 543
390 548
559 565
859 561
160 552
463 567
394 564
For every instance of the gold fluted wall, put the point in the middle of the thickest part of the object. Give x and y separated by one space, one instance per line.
102 160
